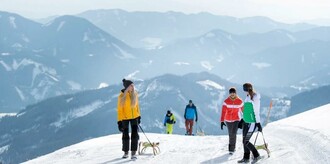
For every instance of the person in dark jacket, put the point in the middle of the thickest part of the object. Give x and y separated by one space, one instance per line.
190 113
169 121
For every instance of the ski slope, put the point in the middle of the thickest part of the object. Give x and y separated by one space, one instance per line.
303 138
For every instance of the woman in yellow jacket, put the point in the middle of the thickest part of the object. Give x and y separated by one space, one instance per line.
129 113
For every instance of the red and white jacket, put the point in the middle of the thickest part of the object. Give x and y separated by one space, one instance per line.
231 110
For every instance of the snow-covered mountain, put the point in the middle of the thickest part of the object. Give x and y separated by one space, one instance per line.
70 54
268 56
293 64
65 120
66 55
303 138
317 79
216 43
153 29
309 99
284 106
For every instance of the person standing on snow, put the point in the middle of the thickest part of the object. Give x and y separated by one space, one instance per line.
251 119
169 121
231 117
129 114
189 115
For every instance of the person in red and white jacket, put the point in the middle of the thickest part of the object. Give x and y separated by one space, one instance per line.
231 113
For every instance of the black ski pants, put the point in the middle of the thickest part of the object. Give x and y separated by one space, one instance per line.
248 129
134 135
232 132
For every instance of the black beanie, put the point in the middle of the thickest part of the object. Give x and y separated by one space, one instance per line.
232 90
247 87
127 83
168 112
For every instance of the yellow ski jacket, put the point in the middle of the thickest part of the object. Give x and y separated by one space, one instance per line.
125 110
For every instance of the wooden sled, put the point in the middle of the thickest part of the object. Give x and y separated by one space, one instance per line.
144 145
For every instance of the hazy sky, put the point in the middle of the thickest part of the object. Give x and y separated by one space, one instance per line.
281 10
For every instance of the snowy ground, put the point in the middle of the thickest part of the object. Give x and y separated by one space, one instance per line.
304 138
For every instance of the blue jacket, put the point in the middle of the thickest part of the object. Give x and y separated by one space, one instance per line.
190 112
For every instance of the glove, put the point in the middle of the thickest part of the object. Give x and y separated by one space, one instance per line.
139 120
259 127
164 124
240 124
222 124
196 120
120 126
174 122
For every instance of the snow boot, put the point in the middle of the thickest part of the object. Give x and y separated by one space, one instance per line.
231 149
133 156
125 155
244 160
256 159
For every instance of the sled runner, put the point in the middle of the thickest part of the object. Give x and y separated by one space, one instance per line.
263 147
144 145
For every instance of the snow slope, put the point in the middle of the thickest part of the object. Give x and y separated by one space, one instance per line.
304 138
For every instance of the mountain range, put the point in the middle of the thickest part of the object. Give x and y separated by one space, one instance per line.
70 54
64 120
309 99
267 56
154 29
66 55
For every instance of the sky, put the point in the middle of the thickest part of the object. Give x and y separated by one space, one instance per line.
289 11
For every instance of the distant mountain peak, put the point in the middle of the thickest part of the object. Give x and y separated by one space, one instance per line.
14 20
69 20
